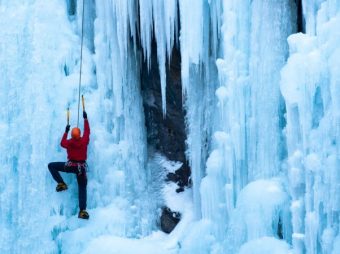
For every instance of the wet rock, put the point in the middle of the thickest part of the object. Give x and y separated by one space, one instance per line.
181 177
169 219
166 135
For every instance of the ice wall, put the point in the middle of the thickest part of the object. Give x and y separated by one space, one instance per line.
245 116
258 107
247 143
310 86
38 80
199 19
40 49
255 134
118 73
124 202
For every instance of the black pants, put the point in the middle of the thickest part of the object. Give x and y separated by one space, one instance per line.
55 167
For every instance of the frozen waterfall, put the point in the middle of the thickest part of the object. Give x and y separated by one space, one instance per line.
260 89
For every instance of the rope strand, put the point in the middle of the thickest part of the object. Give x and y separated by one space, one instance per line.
81 58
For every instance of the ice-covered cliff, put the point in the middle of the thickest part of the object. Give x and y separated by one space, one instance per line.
248 94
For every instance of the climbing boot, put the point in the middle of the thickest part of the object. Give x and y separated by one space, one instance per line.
61 187
83 215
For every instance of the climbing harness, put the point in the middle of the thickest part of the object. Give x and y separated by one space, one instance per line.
81 60
79 165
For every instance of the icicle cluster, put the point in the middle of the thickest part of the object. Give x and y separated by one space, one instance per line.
263 122
159 19
248 140
310 86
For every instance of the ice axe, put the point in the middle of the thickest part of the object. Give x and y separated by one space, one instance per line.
83 102
68 116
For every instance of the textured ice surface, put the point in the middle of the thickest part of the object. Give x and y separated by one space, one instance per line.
311 91
37 81
262 210
263 122
153 244
265 245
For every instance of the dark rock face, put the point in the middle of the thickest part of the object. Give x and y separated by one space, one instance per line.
167 134
280 229
169 220
300 18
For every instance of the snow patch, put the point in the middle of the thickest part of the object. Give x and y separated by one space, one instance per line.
265 245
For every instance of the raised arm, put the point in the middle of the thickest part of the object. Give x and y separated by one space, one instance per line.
86 136
64 142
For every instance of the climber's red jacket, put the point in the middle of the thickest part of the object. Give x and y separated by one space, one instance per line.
77 148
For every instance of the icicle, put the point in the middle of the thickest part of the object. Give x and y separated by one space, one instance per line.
216 11
133 15
146 27
191 36
170 24
160 18
309 84
159 26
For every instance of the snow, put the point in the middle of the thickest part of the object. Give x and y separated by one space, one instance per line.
115 245
265 245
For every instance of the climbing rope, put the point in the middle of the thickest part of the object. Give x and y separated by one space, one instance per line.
81 58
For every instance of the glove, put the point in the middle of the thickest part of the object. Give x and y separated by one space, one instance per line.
67 128
84 115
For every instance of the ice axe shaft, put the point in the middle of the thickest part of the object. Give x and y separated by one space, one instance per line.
68 116
83 102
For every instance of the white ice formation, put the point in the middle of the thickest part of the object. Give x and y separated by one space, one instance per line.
262 115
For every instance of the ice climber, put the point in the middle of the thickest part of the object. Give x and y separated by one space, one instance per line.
76 154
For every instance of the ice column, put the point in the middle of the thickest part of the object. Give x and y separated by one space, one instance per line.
118 82
249 104
247 141
233 95
271 23
310 85
199 79
226 162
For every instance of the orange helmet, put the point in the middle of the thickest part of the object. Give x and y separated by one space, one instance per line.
75 133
